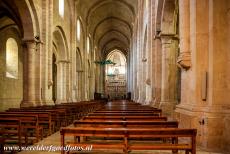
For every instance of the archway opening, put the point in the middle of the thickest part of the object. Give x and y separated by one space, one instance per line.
61 52
116 75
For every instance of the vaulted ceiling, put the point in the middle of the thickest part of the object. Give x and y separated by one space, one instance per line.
110 22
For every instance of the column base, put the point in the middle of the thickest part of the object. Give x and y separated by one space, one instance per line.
211 124
148 102
48 102
61 101
155 104
30 103
140 101
167 108
74 100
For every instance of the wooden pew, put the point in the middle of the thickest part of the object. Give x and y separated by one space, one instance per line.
126 114
2 145
126 118
29 124
125 109
11 132
59 116
79 109
128 124
125 133
53 113
129 111
44 118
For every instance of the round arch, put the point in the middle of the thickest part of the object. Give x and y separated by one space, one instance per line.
116 75
98 4
60 40
60 50
112 18
28 18
113 30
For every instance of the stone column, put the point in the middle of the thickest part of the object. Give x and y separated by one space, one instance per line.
169 74
64 81
135 92
148 80
184 59
61 81
81 86
31 84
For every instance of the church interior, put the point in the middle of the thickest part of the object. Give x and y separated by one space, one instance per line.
123 76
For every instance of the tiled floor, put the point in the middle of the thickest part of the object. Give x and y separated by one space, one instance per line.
53 141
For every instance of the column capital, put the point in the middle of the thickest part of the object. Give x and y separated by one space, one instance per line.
80 71
167 38
30 44
184 60
63 61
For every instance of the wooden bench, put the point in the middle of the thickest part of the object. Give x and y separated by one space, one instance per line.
126 114
44 118
126 133
126 124
79 109
131 124
129 111
11 132
53 114
2 144
29 124
126 118
125 109
59 115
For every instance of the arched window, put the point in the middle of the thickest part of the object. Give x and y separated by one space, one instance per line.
88 44
78 30
11 58
61 6
119 66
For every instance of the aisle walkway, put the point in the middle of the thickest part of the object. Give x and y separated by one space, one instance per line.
53 141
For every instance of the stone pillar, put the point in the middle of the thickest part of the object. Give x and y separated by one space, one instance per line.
76 87
64 95
148 80
184 59
61 84
157 72
135 73
169 74
31 84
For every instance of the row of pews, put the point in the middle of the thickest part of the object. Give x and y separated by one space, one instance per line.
128 126
26 126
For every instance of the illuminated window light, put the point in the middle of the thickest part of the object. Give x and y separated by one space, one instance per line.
61 7
11 58
88 44
78 30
